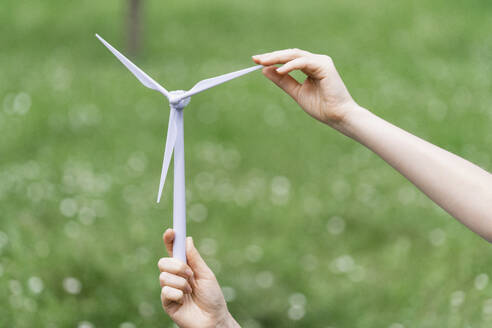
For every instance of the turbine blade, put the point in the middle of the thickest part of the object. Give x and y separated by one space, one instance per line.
214 81
139 74
170 141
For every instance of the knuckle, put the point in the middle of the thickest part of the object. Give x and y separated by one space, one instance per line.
181 282
327 59
305 60
297 51
164 276
301 52
181 267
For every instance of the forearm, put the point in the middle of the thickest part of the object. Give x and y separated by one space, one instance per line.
461 188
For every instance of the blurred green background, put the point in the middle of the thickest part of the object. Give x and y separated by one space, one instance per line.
303 227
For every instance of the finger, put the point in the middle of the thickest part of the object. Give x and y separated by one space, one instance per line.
175 266
196 262
168 238
170 294
284 81
313 67
279 57
172 280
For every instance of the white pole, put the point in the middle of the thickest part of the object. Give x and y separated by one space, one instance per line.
179 204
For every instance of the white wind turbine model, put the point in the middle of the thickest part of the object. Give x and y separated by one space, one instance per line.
177 101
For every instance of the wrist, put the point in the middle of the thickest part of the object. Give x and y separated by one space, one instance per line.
350 121
227 322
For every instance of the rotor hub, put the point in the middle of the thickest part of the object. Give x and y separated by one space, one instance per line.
176 101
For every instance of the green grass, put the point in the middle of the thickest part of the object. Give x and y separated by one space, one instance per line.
81 148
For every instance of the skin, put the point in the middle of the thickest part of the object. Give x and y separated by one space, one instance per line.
190 293
460 187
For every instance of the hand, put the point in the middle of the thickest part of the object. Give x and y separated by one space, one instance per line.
322 95
190 294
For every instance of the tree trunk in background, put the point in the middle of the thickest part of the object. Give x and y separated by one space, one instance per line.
133 27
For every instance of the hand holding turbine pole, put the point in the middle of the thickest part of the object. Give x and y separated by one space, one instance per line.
190 293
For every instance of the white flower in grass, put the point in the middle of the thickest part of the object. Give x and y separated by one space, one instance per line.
481 281
4 239
254 253
87 215
406 195
30 304
264 279
487 307
127 325
85 324
15 287
68 207
280 185
72 229
358 274
457 298
72 285
335 225
437 237
251 323
437 109
344 264
22 103
274 115
309 262
146 310
396 325
208 246
230 158
341 190
137 162
197 212
297 299
312 205
35 285
215 265
296 312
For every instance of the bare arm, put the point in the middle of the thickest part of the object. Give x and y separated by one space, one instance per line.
460 187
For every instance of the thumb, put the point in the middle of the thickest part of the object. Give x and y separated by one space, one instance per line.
196 262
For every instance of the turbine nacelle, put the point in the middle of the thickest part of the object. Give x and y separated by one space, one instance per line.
178 99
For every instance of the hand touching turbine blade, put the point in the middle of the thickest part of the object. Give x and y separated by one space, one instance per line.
214 81
140 75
